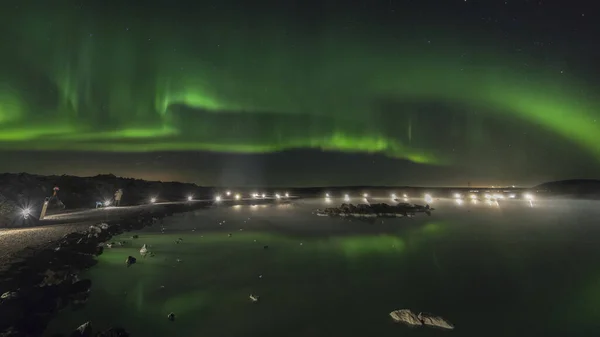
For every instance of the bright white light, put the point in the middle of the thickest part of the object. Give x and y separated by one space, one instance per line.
512 196
255 195
237 197
228 193
498 196
457 196
346 197
264 195
287 195
528 197
365 195
26 212
190 198
459 201
218 198
277 196
326 195
152 200
487 196
405 196
473 196
428 198
106 203
393 195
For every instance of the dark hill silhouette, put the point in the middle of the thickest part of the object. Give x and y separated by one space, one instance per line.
573 187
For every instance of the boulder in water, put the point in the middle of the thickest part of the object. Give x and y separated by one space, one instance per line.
435 321
406 316
130 260
84 330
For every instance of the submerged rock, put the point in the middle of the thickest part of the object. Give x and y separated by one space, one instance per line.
171 317
130 260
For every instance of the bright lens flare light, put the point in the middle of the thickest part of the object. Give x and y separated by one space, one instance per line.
218 198
428 198
287 195
277 196
473 197
106 203
346 197
152 200
393 195
26 212
365 195
457 196
264 195
326 195
528 197
237 197
190 198
228 193
459 202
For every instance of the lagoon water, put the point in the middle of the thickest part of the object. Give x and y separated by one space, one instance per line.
506 269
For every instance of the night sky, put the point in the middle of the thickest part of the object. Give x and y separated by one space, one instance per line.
301 93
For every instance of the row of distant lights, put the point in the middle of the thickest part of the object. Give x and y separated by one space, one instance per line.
365 196
459 197
254 196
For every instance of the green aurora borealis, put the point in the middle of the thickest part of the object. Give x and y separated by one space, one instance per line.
76 79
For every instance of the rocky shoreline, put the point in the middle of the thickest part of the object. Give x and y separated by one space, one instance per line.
375 210
37 287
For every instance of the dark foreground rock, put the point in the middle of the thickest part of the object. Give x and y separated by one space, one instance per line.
36 288
375 210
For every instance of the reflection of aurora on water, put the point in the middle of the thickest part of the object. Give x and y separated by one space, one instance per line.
114 85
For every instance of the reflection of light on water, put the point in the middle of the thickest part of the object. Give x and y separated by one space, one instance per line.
459 201
428 198
474 201
346 197
531 203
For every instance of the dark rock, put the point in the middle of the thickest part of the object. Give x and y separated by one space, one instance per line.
130 260
171 317
265 247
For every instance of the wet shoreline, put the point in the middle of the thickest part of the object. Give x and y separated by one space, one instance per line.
39 281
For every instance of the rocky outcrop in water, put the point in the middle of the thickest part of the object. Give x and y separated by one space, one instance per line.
406 316
375 210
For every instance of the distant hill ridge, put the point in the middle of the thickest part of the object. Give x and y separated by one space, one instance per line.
571 186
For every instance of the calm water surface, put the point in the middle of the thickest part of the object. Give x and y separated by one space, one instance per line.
507 269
